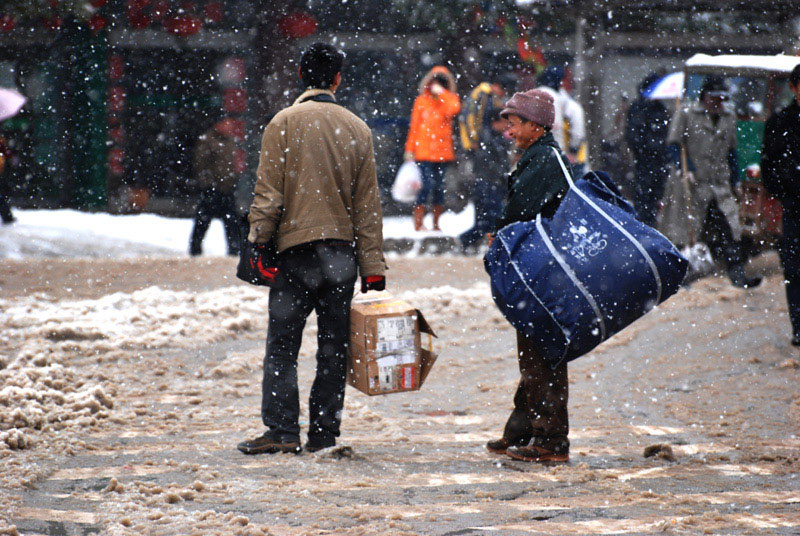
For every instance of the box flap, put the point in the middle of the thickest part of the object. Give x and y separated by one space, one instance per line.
427 359
424 327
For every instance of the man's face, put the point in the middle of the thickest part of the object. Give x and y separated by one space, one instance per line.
795 89
523 132
714 103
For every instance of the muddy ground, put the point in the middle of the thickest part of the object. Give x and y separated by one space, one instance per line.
126 384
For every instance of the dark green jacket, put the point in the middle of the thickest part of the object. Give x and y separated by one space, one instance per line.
536 184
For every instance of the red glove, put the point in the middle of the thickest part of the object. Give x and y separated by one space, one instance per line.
261 263
373 282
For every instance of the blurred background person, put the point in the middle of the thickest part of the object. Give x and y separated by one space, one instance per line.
482 136
5 209
216 175
646 131
430 139
706 132
780 167
569 127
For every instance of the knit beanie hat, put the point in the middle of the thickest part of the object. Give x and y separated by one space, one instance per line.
534 105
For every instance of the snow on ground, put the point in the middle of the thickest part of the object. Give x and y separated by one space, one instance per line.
71 233
133 401
38 386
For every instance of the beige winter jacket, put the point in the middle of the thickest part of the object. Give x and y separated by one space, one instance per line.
316 181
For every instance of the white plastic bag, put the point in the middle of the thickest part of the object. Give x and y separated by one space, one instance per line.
407 183
700 260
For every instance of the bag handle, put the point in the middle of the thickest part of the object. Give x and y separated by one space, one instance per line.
651 264
567 174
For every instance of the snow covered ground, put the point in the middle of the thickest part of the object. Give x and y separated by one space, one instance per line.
121 407
127 380
70 233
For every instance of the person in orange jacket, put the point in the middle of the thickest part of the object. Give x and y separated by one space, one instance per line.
430 139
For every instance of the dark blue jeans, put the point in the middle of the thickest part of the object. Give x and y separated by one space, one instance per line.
432 183
319 276
790 258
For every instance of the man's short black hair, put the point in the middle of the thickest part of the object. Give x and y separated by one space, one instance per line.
319 65
794 77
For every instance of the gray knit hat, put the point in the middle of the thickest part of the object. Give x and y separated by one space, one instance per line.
534 105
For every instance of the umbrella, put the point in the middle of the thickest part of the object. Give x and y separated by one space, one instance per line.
667 87
10 103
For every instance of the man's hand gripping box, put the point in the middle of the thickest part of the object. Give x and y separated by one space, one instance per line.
386 345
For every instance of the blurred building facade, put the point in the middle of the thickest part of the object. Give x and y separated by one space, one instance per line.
119 95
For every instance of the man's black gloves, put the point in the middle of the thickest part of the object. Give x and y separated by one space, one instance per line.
373 282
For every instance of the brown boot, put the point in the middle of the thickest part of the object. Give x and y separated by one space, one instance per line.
419 215
437 213
536 454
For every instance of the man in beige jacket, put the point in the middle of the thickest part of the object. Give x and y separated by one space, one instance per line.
317 197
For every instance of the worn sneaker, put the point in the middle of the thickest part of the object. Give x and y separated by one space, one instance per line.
499 446
533 453
266 444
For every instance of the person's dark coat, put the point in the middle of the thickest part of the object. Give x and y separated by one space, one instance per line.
536 184
780 159
646 131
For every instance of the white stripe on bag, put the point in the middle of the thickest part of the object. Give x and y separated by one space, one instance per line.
528 287
572 276
616 224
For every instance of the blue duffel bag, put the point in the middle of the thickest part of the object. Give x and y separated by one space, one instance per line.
572 281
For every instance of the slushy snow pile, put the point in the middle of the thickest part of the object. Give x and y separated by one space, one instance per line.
44 389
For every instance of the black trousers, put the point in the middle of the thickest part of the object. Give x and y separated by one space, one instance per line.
540 403
718 235
5 210
651 178
790 258
216 204
319 276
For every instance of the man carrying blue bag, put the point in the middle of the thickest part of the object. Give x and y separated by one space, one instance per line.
538 427
570 266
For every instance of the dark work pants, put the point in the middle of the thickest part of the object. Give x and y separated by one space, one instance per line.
540 403
651 178
320 277
718 235
216 204
790 258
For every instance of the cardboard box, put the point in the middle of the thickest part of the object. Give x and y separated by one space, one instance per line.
387 352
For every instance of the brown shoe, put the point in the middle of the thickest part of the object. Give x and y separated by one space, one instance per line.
267 445
499 446
533 453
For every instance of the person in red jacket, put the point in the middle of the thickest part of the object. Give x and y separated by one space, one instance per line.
430 139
